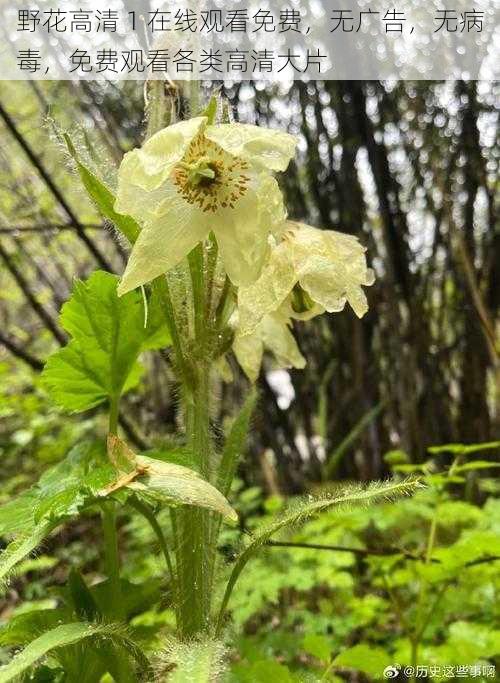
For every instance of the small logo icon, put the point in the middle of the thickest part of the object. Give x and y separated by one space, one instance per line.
392 671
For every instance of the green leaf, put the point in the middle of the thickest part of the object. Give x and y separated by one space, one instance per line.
268 670
474 641
366 658
318 646
235 444
301 510
102 196
107 336
201 661
136 596
16 516
62 636
73 483
21 548
464 449
23 628
83 602
335 458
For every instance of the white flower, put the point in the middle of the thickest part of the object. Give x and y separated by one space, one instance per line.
191 179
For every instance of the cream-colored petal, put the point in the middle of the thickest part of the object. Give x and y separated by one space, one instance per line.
163 242
269 291
265 147
249 350
278 338
144 171
331 267
243 232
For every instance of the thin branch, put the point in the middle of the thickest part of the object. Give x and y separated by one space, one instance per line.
362 552
17 351
365 552
49 227
54 189
40 311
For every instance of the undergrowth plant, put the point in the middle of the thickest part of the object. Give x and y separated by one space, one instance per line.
215 269
412 586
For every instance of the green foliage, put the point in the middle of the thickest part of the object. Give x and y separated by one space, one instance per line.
302 510
234 444
62 491
21 548
107 335
349 612
63 636
103 198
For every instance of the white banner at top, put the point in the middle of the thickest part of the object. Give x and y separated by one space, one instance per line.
267 40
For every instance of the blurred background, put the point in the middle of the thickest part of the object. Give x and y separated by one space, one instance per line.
411 168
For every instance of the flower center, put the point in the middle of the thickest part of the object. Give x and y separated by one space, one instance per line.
209 177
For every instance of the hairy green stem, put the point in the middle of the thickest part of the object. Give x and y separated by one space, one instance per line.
195 522
111 556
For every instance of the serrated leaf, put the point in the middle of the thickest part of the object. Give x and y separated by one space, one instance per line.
107 336
103 198
21 548
73 483
16 515
62 491
62 636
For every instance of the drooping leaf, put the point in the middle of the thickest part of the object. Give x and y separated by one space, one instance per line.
107 335
201 661
174 485
300 511
102 196
62 636
166 481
